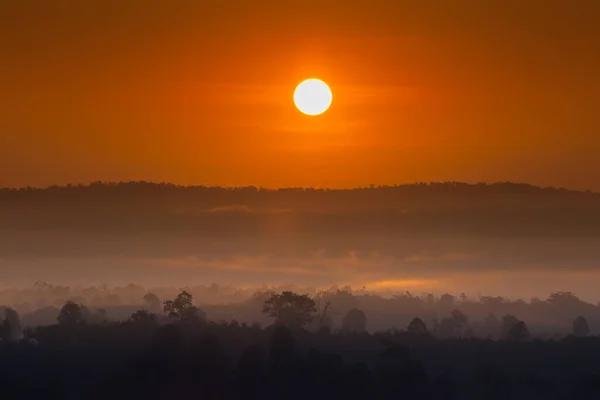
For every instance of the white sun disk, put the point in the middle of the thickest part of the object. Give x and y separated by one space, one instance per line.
313 97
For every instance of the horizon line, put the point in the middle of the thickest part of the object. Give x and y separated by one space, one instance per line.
299 187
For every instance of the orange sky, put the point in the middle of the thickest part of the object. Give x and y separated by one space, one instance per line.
193 92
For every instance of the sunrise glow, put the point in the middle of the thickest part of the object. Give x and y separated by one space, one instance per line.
313 97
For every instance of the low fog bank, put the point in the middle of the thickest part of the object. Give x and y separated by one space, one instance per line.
518 268
553 314
502 239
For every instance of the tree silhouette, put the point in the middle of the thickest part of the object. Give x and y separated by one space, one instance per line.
182 308
152 302
71 314
323 319
153 361
563 299
518 332
580 327
460 318
5 329
355 321
447 300
259 297
10 328
343 299
143 317
452 327
290 309
508 321
193 315
491 325
417 327
515 330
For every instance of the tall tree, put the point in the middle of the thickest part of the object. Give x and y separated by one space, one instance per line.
453 326
143 317
289 308
518 332
177 307
417 327
10 328
513 329
152 302
491 325
323 315
182 308
446 301
71 314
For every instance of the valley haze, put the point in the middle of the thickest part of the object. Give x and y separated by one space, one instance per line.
506 239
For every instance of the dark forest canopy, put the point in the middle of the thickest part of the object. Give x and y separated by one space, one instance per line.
178 353
420 207
145 187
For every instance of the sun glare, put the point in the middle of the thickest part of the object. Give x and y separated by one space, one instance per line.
313 97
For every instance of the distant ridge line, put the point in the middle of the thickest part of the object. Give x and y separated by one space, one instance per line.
451 186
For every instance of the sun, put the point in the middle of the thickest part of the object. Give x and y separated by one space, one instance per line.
313 97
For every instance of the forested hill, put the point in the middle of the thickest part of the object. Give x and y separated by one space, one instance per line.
507 208
372 191
435 194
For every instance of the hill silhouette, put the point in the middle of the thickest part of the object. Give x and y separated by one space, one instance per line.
123 232
423 208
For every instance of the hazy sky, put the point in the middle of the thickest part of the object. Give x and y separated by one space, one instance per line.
199 92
